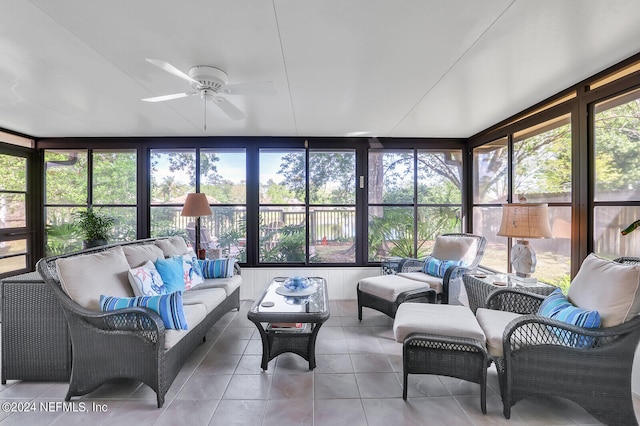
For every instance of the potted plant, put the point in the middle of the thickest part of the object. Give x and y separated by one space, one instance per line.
93 226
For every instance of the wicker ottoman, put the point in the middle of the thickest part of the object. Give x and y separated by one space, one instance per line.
444 340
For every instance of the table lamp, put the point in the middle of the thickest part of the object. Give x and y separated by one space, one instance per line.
524 221
197 205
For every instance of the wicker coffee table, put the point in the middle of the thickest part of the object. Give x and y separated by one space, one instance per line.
290 323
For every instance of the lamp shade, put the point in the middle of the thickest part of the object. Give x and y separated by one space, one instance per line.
525 221
196 204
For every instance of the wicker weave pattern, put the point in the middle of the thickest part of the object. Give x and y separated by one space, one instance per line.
478 291
539 361
35 337
458 357
126 343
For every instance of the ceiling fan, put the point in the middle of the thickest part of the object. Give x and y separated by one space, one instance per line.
211 84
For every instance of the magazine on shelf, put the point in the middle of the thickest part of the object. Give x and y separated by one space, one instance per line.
289 327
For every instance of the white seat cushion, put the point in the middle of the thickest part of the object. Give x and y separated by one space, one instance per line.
608 287
442 320
193 315
493 324
209 298
388 287
228 284
433 282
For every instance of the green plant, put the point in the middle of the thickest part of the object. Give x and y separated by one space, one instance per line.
61 238
92 225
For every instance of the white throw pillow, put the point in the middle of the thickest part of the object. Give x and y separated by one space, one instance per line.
192 271
139 254
85 277
455 248
145 280
173 246
608 287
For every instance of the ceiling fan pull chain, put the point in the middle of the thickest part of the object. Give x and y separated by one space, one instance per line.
205 115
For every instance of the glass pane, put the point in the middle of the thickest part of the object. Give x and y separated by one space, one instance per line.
332 234
486 222
223 176
434 221
391 177
608 222
14 173
332 177
617 148
13 263
173 175
225 229
542 162
490 167
282 177
167 221
390 232
114 177
13 211
554 254
66 177
282 234
62 236
440 177
125 225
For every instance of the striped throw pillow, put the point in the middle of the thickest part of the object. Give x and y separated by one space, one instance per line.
217 268
437 268
558 307
168 306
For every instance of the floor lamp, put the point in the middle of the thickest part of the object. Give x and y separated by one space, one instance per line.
197 205
524 221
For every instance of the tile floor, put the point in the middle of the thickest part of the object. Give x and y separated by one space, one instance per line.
358 381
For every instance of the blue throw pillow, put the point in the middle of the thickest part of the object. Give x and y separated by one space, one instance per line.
168 306
558 307
217 268
437 268
172 273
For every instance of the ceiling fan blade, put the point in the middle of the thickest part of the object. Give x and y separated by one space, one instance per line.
169 97
166 66
230 109
257 88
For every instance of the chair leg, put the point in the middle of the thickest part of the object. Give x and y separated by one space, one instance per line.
404 385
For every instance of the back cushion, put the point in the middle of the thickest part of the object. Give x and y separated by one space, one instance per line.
608 287
174 246
139 254
84 278
455 248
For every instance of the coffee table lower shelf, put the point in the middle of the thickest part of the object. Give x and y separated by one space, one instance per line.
277 318
277 342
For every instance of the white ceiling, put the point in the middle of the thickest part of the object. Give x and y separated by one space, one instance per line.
410 68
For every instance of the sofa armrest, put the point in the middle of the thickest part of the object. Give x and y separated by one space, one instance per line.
529 331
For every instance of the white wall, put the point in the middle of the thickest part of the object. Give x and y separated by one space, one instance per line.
341 282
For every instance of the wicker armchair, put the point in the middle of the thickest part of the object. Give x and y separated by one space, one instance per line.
410 279
536 361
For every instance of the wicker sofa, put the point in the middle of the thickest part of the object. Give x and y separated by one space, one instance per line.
132 342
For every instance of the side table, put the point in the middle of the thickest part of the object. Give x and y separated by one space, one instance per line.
479 287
